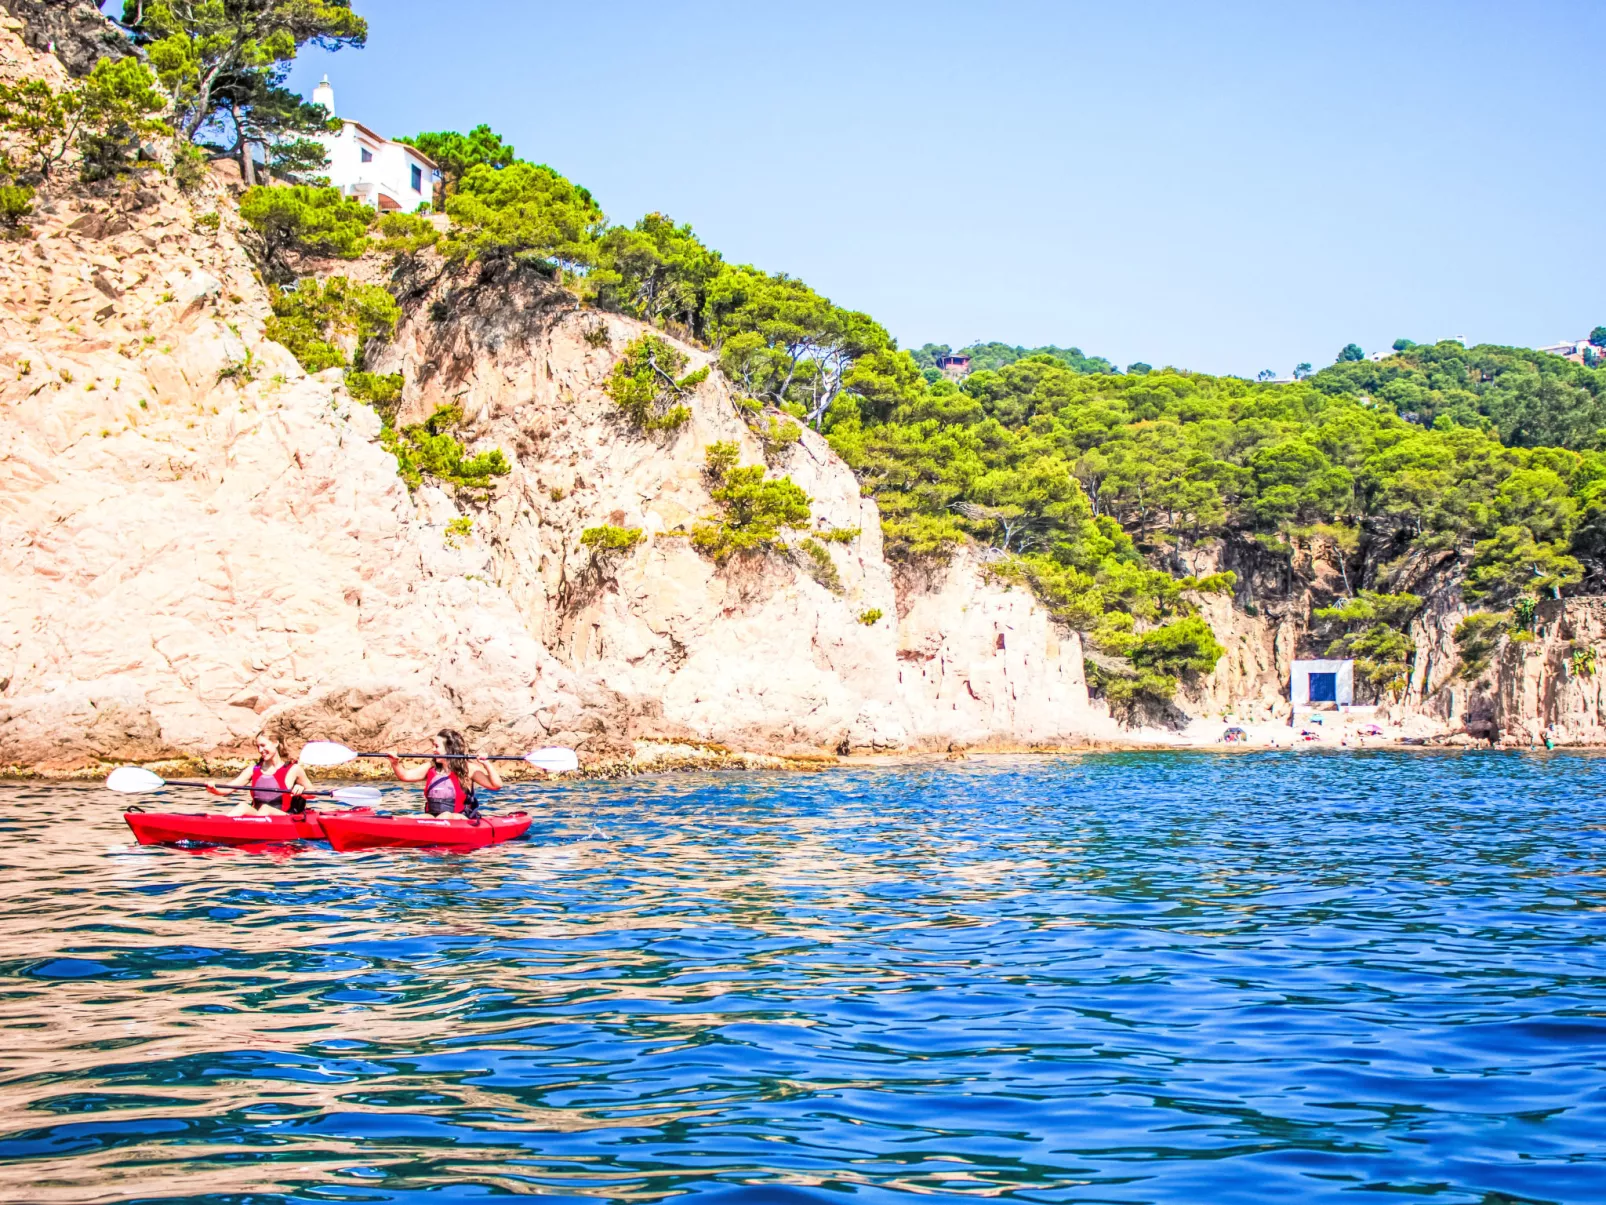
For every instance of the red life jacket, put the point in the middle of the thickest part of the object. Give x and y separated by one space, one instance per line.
272 788
447 787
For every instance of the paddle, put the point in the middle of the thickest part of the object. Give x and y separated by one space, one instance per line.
132 780
553 760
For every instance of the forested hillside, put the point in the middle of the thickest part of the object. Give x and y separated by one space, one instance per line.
1084 482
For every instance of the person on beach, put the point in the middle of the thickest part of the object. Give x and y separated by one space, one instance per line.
449 778
276 780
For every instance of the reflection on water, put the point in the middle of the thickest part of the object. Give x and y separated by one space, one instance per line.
1173 978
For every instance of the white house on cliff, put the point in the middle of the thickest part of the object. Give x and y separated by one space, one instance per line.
374 170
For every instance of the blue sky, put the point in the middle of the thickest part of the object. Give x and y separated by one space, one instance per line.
1225 187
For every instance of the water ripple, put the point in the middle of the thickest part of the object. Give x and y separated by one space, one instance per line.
1124 978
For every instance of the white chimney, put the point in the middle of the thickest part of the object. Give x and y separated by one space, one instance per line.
324 95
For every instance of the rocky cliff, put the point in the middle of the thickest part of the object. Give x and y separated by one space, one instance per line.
207 540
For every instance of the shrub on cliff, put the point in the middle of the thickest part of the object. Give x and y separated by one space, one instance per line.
430 449
609 540
646 384
305 220
382 391
16 203
97 124
312 317
1183 646
754 509
1477 637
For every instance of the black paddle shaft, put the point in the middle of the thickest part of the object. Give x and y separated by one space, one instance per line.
448 756
191 782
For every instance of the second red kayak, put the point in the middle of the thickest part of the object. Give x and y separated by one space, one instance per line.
369 830
219 828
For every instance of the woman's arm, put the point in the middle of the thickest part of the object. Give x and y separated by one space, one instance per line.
242 779
408 773
484 774
299 781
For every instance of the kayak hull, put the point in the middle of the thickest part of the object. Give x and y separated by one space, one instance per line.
352 830
216 828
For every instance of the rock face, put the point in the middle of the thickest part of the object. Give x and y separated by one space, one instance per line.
981 664
763 653
209 542
75 30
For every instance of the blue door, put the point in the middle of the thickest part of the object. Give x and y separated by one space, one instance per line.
1324 688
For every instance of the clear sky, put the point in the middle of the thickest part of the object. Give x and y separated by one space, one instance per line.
1225 186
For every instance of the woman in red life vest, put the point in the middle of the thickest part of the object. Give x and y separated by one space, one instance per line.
449 780
275 781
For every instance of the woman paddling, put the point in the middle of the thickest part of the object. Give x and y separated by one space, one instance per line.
275 781
450 778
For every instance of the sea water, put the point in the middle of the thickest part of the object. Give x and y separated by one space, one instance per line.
1312 977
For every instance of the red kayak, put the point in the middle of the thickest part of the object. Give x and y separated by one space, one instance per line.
369 830
216 828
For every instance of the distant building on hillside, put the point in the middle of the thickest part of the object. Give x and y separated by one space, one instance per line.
374 170
954 366
1572 349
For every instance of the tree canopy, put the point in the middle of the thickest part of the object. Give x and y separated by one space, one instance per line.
457 154
224 62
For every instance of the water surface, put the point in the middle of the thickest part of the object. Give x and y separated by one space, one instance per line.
1128 978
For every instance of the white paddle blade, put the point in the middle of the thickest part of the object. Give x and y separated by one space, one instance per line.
131 780
554 760
325 754
359 796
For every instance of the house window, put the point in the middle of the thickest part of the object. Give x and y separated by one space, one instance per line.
367 155
1324 688
418 178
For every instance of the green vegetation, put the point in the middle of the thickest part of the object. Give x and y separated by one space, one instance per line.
381 391
754 510
1476 639
96 124
224 64
819 565
305 220
1526 398
458 532
309 319
609 540
656 271
406 233
523 214
16 204
986 357
457 154
871 617
647 385
429 449
1372 628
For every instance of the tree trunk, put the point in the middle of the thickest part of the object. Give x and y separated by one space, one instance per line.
247 168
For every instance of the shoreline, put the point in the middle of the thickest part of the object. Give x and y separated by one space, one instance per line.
746 763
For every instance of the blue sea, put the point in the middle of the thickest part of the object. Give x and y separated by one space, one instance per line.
1182 978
